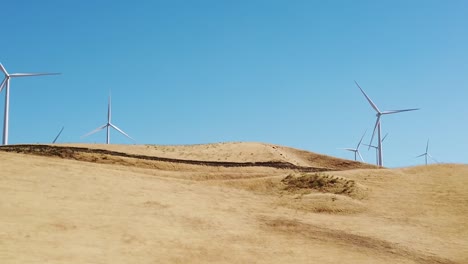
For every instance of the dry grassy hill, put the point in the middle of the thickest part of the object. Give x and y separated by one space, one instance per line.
224 203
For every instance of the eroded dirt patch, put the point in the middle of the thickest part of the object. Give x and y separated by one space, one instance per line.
321 182
322 193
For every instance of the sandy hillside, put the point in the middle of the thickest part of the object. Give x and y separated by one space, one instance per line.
72 206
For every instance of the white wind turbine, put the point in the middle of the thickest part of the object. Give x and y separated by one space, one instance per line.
108 125
6 83
378 123
426 154
376 149
356 150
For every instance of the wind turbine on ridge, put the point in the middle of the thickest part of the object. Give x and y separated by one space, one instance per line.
426 154
356 150
378 125
6 83
108 125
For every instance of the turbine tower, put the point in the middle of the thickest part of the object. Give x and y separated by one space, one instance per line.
376 149
6 83
356 150
426 154
108 125
378 123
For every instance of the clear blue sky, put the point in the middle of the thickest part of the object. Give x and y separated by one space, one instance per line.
282 72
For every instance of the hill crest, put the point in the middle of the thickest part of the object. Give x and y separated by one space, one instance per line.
229 154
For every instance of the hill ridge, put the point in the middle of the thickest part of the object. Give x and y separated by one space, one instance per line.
73 152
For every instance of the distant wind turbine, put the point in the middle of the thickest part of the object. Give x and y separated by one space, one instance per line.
376 149
426 154
58 135
6 83
378 123
108 125
356 150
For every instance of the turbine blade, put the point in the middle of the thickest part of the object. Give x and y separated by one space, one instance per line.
120 130
359 153
109 109
3 69
398 111
361 139
375 127
32 74
424 154
368 99
95 130
369 146
384 137
349 149
58 135
3 84
432 158
427 146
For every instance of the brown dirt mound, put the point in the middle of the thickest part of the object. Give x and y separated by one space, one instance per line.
323 183
322 193
318 193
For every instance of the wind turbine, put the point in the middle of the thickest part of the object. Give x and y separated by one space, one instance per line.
426 154
6 83
378 123
376 148
58 135
108 125
356 150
